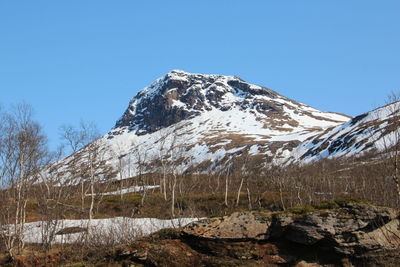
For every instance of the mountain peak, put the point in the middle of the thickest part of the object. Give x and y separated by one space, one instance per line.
176 74
177 71
180 95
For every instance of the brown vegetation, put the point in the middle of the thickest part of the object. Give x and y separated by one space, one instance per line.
30 194
297 189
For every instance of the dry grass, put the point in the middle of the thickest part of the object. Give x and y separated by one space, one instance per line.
295 188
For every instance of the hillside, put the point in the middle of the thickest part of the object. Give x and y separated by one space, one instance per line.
208 123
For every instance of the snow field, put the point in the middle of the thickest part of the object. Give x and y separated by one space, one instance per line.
117 228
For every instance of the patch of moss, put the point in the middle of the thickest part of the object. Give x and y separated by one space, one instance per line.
302 210
77 264
342 202
326 205
167 233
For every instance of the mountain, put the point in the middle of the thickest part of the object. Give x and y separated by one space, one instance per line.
378 130
203 123
182 96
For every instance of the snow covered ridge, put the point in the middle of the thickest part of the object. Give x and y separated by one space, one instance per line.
375 130
202 123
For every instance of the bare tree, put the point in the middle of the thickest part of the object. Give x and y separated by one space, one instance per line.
23 148
391 139
75 138
171 161
123 163
51 194
89 164
92 162
162 160
227 176
176 162
385 135
140 154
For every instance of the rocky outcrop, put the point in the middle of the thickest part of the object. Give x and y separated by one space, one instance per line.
179 95
238 226
351 234
350 230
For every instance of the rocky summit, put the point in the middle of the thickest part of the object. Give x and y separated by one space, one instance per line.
207 123
332 234
182 96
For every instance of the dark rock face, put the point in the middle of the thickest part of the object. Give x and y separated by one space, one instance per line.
353 234
179 96
351 230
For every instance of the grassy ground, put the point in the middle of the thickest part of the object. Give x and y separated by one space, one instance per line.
154 205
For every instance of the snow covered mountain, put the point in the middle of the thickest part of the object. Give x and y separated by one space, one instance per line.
203 123
377 130
182 96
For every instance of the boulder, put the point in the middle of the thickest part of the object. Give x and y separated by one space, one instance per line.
352 229
239 225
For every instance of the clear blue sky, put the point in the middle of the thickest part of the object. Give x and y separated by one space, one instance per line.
75 59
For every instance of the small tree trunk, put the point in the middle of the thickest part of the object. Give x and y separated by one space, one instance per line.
82 197
21 241
165 185
217 188
226 189
249 198
143 195
120 179
173 196
92 196
298 196
238 194
396 170
281 195
91 204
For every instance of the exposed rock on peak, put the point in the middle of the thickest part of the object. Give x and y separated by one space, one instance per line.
180 95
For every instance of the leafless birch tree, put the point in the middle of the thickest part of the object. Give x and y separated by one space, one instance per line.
23 148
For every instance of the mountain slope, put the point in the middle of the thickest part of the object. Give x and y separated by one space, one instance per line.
216 118
374 130
204 123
